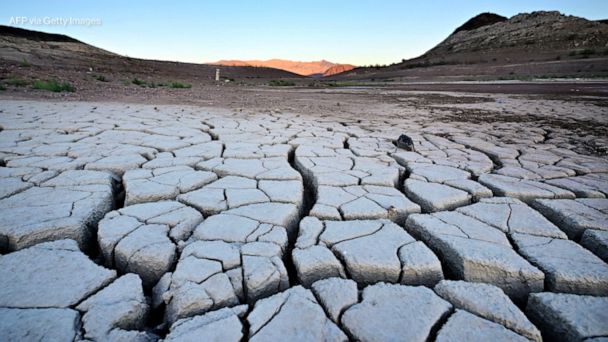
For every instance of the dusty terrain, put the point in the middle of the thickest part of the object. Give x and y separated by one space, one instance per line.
555 104
295 216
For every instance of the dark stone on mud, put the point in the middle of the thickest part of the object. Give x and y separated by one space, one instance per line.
405 142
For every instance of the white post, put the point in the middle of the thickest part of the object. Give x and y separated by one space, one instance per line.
217 74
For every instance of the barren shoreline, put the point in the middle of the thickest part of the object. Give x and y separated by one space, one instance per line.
236 212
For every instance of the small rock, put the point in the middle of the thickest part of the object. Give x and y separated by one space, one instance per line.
405 143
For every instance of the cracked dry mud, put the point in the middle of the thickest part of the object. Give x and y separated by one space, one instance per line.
139 223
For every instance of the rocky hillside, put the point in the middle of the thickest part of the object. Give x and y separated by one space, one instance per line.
36 47
545 44
316 68
30 55
9 31
524 37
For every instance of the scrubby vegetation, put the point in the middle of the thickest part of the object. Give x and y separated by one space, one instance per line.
100 78
179 85
53 85
281 83
138 82
152 84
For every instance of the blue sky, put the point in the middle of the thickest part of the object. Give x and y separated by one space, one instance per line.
358 32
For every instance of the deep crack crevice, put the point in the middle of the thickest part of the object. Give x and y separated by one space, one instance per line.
439 324
275 314
308 201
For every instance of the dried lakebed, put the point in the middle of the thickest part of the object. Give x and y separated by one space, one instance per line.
141 223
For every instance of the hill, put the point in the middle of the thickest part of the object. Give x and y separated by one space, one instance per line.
9 31
524 37
527 44
481 20
338 69
37 55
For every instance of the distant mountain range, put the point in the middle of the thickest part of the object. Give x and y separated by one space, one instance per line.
317 68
